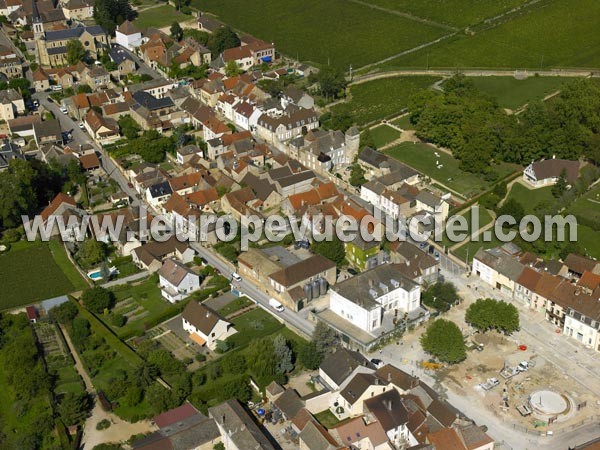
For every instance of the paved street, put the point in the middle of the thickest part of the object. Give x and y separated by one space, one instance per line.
80 137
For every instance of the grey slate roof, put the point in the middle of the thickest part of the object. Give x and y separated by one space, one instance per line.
339 365
377 281
242 429
150 102
160 189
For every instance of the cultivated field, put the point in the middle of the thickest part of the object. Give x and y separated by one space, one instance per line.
31 274
452 12
552 34
336 31
378 99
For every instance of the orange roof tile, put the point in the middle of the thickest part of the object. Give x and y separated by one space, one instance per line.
56 203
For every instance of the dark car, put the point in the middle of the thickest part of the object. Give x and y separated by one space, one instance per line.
377 362
351 271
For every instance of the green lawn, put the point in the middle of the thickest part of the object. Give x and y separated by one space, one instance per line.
340 32
512 93
552 34
383 135
31 274
588 240
484 218
60 257
404 123
458 13
422 158
378 99
253 325
530 198
235 305
161 16
470 248
588 205
327 418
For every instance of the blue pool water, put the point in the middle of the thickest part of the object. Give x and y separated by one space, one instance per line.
95 275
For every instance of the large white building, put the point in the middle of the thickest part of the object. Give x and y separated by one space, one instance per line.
363 300
205 326
128 36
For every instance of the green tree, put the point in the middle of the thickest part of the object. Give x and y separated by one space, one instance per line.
309 357
234 363
331 81
357 175
221 40
366 139
512 208
129 127
176 31
261 360
64 313
333 250
91 252
232 69
110 13
441 296
80 330
145 374
283 354
486 314
324 338
219 446
444 340
159 399
75 51
562 183
97 299
73 408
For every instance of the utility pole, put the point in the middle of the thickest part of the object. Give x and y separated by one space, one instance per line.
350 72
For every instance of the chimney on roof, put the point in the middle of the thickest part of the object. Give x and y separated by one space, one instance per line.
388 405
389 377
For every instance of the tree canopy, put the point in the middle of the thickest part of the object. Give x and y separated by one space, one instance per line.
479 132
97 299
443 339
333 250
111 13
487 314
441 296
221 40
75 51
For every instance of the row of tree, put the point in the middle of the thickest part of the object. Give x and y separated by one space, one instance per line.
444 340
479 132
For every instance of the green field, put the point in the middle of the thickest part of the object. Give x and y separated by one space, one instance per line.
530 198
588 240
512 93
453 12
161 16
340 32
561 33
253 325
587 205
32 273
484 219
383 135
378 99
404 123
422 158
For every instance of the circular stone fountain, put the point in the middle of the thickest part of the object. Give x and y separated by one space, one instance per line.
546 403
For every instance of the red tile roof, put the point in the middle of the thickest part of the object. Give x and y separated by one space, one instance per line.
89 161
56 203
175 415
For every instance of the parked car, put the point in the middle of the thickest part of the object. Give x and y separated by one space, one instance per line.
64 110
56 87
36 103
377 363
277 306
352 272
82 125
236 276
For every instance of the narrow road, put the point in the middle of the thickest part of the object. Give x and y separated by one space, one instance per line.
125 280
473 73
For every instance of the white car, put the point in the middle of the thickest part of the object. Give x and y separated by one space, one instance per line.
82 125
56 87
64 110
236 277
277 306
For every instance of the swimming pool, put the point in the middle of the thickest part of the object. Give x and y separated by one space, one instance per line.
97 274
